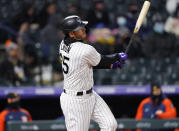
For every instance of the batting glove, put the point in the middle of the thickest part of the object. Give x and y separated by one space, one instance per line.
121 62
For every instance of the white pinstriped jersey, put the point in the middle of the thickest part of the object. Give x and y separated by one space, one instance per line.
77 61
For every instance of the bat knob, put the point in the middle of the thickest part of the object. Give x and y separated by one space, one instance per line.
136 30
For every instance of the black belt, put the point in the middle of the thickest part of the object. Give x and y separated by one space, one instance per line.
80 93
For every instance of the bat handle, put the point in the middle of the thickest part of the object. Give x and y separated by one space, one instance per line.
130 43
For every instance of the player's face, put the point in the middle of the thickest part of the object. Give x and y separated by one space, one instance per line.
13 53
13 100
157 92
80 34
156 96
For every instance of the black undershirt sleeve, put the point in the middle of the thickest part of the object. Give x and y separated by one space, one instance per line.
106 61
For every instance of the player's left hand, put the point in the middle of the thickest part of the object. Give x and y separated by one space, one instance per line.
117 65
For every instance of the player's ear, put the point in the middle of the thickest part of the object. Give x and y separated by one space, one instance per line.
71 34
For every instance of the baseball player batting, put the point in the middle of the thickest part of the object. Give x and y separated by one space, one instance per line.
79 102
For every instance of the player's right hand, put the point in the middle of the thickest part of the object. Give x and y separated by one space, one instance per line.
122 57
121 62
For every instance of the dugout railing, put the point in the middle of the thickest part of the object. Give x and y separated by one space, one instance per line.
59 125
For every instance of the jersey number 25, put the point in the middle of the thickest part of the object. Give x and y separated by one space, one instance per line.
64 64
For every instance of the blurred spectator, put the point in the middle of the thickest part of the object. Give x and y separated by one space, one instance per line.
121 33
103 38
159 43
132 16
121 21
102 35
48 10
73 8
12 68
172 26
22 38
50 35
26 15
13 112
122 42
171 6
172 23
157 106
30 60
98 15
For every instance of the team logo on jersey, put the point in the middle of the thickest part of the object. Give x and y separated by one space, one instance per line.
11 117
78 20
24 118
146 110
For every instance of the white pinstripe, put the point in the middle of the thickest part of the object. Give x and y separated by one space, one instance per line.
103 115
79 110
82 57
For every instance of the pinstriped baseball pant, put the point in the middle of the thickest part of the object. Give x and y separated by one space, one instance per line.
79 110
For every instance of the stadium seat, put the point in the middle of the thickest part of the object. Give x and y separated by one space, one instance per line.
167 61
173 79
169 70
177 60
103 76
122 79
4 83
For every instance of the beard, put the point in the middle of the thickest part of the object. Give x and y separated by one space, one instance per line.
14 105
156 99
81 36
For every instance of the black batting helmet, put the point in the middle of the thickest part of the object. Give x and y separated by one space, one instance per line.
72 23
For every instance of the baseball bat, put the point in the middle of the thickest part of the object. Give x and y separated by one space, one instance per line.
139 22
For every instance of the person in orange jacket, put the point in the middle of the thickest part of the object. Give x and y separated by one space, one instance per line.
13 112
157 106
